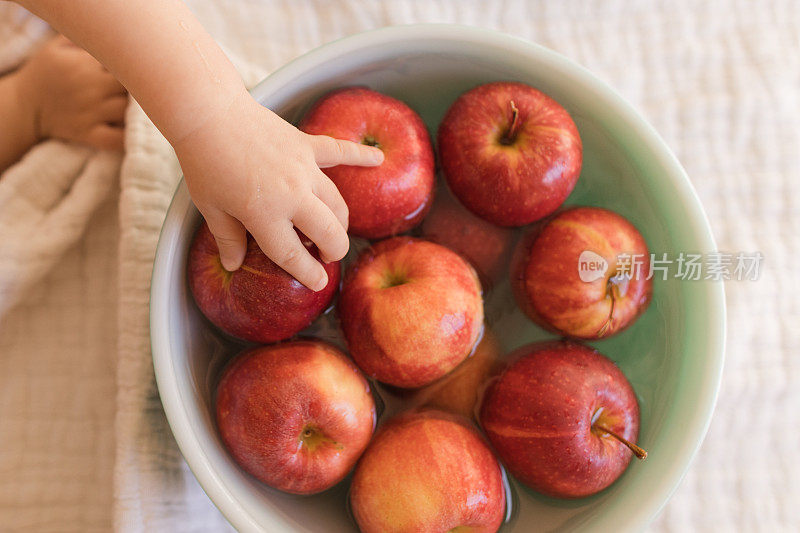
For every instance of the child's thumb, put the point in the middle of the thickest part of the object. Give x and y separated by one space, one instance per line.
231 238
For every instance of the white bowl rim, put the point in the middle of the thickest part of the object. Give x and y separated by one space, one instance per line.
650 504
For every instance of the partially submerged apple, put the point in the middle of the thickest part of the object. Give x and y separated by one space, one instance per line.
563 419
395 196
297 416
411 311
510 153
486 246
583 274
259 302
428 471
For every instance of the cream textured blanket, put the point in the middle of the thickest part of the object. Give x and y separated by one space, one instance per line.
719 80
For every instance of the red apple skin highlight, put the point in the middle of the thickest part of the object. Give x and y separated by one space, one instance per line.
297 416
411 311
538 416
430 472
486 246
547 285
395 196
259 302
516 179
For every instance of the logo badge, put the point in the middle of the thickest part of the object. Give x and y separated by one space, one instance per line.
591 266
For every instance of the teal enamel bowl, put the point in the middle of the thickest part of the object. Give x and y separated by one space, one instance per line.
673 355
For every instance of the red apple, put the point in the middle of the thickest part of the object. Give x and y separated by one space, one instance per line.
411 311
510 153
562 418
259 302
483 244
428 471
459 390
297 416
583 274
395 196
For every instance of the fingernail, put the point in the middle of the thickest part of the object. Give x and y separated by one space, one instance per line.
377 155
228 265
320 284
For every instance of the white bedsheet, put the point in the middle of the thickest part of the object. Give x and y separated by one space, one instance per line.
719 80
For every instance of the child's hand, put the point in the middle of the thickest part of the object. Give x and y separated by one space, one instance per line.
247 168
70 96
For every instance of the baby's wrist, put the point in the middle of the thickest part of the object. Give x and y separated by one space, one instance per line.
206 130
204 114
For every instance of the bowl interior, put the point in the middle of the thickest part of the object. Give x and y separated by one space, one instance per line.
672 355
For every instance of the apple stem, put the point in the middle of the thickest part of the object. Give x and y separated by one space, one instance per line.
639 452
610 291
511 134
370 141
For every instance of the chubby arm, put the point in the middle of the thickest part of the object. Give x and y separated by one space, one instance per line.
157 50
245 167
